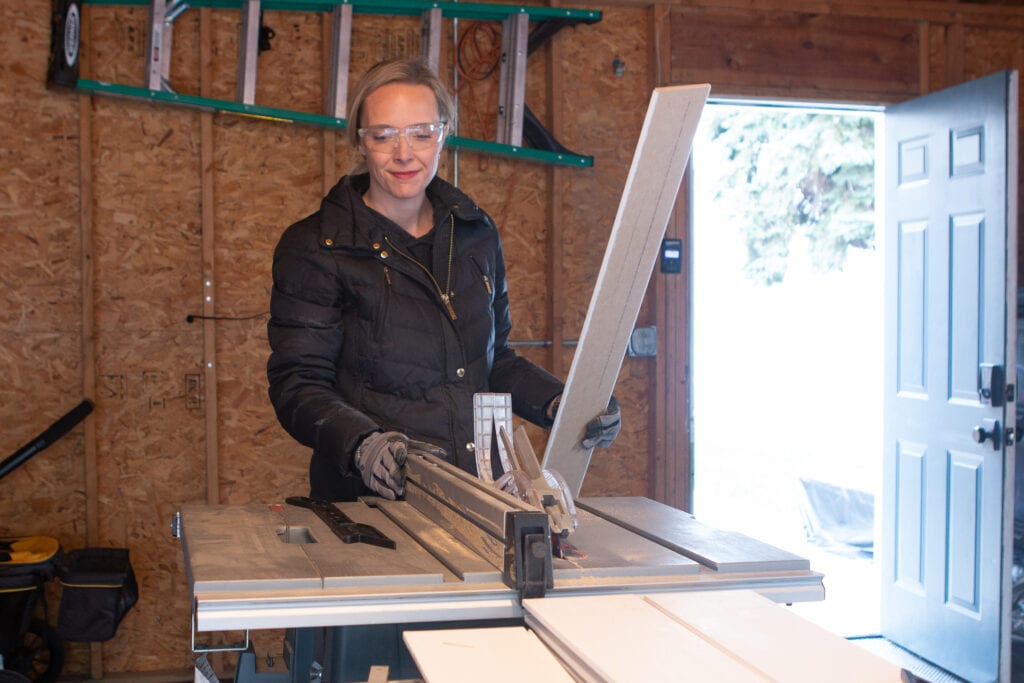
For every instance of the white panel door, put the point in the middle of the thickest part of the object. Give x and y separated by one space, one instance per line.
950 321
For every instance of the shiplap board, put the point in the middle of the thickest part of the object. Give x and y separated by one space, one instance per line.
782 644
605 549
731 636
646 204
506 654
625 639
721 550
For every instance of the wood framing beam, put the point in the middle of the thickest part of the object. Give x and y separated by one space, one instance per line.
954 54
329 136
669 465
209 282
923 61
672 457
990 16
88 263
556 190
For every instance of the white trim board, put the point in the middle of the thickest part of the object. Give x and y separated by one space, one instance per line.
505 654
647 201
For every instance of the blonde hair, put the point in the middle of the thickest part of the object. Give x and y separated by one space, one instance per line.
408 70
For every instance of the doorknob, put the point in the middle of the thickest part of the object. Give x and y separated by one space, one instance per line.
988 429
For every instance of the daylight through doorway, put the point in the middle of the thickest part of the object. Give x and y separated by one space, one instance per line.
787 342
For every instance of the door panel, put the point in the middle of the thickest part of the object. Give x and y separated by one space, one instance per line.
950 309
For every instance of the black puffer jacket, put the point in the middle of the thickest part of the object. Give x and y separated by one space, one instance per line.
362 340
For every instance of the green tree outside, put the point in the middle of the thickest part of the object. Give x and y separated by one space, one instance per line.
794 173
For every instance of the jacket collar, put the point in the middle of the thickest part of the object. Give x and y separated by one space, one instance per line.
346 221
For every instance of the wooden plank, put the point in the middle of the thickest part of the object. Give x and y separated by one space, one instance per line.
626 638
344 565
970 14
709 635
647 200
208 239
557 188
88 263
438 541
786 52
220 544
955 43
508 654
723 551
778 642
606 549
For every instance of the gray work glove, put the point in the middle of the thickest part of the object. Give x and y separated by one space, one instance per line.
603 429
423 447
380 459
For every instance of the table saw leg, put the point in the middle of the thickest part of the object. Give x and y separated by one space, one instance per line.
246 672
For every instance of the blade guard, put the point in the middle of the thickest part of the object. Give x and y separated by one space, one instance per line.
544 489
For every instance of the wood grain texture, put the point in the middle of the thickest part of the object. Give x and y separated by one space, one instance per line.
221 542
663 149
507 654
794 54
364 564
723 551
779 643
715 635
643 645
467 565
608 550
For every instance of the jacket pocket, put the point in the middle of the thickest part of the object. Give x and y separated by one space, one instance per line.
485 279
381 316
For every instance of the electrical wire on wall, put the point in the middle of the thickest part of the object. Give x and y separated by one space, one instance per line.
477 55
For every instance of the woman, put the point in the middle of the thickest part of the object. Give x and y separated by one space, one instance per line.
389 308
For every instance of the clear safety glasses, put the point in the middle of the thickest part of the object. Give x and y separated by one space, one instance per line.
419 136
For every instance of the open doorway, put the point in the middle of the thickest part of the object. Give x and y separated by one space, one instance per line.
787 342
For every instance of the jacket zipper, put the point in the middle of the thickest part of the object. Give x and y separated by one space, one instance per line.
443 293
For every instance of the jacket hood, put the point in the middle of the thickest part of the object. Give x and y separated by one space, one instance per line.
346 221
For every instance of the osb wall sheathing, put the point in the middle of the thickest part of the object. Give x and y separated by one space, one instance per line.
40 310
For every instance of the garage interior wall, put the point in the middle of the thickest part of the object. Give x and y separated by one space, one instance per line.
121 219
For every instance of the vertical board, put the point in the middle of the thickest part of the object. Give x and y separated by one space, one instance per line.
647 201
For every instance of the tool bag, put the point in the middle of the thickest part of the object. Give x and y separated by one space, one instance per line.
26 563
99 589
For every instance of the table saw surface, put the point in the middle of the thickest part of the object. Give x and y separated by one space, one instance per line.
280 566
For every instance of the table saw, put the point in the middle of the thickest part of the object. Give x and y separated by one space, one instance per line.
463 552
